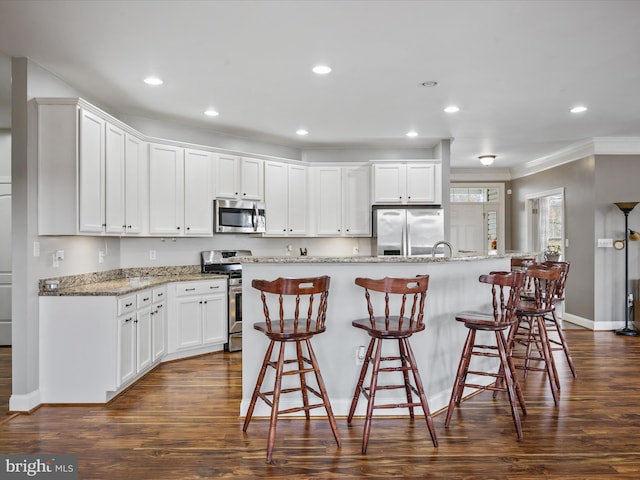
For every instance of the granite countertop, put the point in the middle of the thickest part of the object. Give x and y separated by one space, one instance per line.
363 259
123 281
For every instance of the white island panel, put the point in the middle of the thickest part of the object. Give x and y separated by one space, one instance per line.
453 286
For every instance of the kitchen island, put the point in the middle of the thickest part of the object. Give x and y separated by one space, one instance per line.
453 286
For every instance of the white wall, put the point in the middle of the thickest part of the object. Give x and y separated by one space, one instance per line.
5 156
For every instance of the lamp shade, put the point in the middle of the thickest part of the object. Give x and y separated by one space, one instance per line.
626 207
486 160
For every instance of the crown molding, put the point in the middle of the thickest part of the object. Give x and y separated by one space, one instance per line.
583 149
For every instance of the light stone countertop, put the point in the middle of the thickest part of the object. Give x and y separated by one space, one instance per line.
124 281
365 259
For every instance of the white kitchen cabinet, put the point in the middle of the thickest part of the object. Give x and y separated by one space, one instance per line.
285 194
159 324
405 183
200 316
126 346
239 178
180 202
134 345
342 205
135 176
82 171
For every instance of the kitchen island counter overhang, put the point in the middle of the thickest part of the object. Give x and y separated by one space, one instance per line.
453 287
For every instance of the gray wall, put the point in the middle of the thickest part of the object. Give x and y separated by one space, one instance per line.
579 181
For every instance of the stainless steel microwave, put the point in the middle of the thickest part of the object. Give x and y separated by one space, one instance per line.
239 216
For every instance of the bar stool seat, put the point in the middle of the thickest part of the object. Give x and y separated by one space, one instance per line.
406 296
297 297
506 288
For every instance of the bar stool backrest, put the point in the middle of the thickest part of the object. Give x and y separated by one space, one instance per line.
294 299
506 288
564 267
545 280
413 289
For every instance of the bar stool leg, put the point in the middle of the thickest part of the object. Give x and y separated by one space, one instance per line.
363 373
256 390
323 393
405 373
509 379
303 380
563 343
420 388
372 395
275 403
461 376
550 365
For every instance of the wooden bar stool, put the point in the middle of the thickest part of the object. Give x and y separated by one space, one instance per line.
408 295
530 329
551 321
297 297
506 288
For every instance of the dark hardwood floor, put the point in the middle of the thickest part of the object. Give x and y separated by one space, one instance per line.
181 422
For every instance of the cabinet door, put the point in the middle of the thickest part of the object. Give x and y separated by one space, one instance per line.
355 201
91 173
134 161
166 190
189 323
214 319
328 207
389 183
227 177
126 348
251 179
114 179
198 202
275 197
421 183
297 200
143 339
158 329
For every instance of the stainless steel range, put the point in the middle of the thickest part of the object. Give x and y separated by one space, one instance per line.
223 262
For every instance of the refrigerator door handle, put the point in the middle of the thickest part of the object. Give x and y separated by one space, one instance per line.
407 237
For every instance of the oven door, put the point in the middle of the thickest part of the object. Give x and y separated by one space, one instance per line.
235 318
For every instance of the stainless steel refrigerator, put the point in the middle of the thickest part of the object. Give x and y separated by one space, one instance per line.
407 231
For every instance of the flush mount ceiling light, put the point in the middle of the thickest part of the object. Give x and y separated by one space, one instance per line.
155 81
486 160
578 109
452 109
412 134
211 113
302 132
321 69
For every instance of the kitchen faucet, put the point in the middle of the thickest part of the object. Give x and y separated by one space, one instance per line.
441 242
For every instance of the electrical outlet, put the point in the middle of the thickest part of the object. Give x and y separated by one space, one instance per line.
101 256
152 254
605 242
356 250
360 354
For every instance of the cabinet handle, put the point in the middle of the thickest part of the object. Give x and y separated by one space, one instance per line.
161 295
178 228
127 320
135 321
189 289
214 287
146 299
128 304
200 302
129 227
205 302
188 228
159 307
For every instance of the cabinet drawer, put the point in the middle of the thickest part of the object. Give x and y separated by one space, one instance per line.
201 288
159 294
126 304
145 298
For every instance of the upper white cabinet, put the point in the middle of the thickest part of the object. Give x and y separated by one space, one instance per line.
341 200
84 162
180 201
135 175
285 196
239 178
419 182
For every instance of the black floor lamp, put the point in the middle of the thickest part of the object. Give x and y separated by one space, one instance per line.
626 207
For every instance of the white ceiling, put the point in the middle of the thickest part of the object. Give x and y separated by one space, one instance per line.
514 68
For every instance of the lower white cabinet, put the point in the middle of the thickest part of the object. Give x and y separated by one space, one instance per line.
92 347
199 316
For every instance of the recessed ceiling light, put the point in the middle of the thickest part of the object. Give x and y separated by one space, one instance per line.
412 134
211 113
429 83
155 81
452 109
301 131
321 69
578 109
